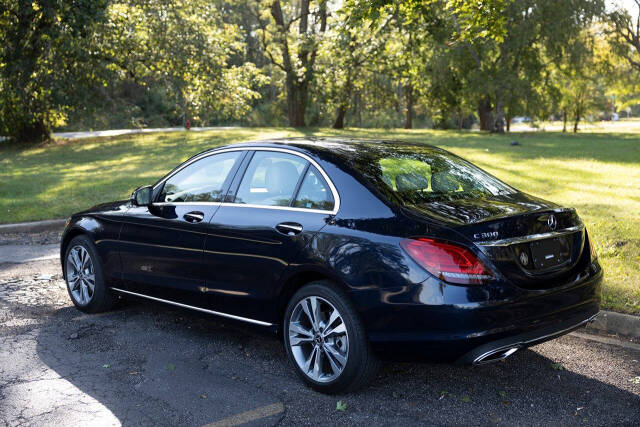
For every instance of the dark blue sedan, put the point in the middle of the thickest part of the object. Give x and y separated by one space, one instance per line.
351 251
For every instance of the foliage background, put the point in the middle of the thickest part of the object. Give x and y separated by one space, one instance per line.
101 64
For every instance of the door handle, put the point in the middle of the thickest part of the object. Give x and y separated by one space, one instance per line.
289 228
194 216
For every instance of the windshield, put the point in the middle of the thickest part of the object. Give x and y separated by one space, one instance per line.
436 176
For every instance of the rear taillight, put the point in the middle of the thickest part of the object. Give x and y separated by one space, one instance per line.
447 261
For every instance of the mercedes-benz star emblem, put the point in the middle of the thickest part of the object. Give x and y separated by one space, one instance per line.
551 222
524 258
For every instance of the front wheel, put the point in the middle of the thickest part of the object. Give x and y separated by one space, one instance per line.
85 278
325 340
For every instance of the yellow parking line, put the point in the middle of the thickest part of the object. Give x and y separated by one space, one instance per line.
252 415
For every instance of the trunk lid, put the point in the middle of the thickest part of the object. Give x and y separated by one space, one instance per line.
534 243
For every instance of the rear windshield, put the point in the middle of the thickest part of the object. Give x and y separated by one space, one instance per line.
436 176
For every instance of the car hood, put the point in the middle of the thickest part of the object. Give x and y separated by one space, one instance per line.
472 211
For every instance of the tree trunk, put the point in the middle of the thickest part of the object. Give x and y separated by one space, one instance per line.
33 132
507 120
564 121
577 118
408 92
359 108
485 115
339 123
296 103
498 123
297 89
343 106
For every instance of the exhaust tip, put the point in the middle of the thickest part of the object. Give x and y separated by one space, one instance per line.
495 355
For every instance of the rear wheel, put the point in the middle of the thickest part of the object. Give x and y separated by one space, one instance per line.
85 278
325 340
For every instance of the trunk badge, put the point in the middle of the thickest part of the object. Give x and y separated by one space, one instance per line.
490 235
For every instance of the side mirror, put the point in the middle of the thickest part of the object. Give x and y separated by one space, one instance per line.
141 196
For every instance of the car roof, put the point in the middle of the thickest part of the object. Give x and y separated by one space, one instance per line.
343 148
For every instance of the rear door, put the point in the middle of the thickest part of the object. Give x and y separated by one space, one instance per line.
275 207
162 244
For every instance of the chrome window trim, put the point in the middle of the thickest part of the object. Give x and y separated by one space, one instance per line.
531 237
334 191
186 203
204 310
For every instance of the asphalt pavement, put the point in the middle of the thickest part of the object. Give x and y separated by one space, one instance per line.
150 364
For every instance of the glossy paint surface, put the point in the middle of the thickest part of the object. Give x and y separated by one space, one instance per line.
237 260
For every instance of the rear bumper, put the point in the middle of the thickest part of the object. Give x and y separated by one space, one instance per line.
438 322
501 349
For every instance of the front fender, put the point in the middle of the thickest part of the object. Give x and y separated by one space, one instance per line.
103 233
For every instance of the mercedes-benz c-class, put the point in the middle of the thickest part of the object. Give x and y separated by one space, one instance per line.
351 251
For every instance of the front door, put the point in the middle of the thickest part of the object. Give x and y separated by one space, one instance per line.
281 201
162 244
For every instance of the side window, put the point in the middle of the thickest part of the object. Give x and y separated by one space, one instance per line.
270 179
314 192
201 181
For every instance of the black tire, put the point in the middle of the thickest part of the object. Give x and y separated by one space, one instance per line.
362 364
102 298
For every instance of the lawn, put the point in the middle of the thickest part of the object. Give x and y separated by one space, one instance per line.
597 173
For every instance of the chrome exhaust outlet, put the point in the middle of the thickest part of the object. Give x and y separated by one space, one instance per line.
495 355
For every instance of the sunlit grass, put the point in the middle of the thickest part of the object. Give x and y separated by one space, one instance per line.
598 173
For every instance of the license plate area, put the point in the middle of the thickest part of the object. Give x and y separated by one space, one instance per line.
549 253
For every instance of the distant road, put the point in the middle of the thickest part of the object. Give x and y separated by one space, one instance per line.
116 132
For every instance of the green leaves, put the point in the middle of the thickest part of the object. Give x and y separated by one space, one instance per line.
46 65
135 63
557 367
341 406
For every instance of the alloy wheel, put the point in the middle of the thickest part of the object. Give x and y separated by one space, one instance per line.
318 339
81 277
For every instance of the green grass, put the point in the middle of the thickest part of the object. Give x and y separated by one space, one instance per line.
597 173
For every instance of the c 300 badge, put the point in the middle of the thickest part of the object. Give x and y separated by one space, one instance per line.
487 235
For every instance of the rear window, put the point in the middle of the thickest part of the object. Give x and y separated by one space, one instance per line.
437 176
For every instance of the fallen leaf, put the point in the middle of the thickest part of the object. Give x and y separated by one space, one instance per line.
466 399
502 393
171 367
106 366
557 366
341 406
